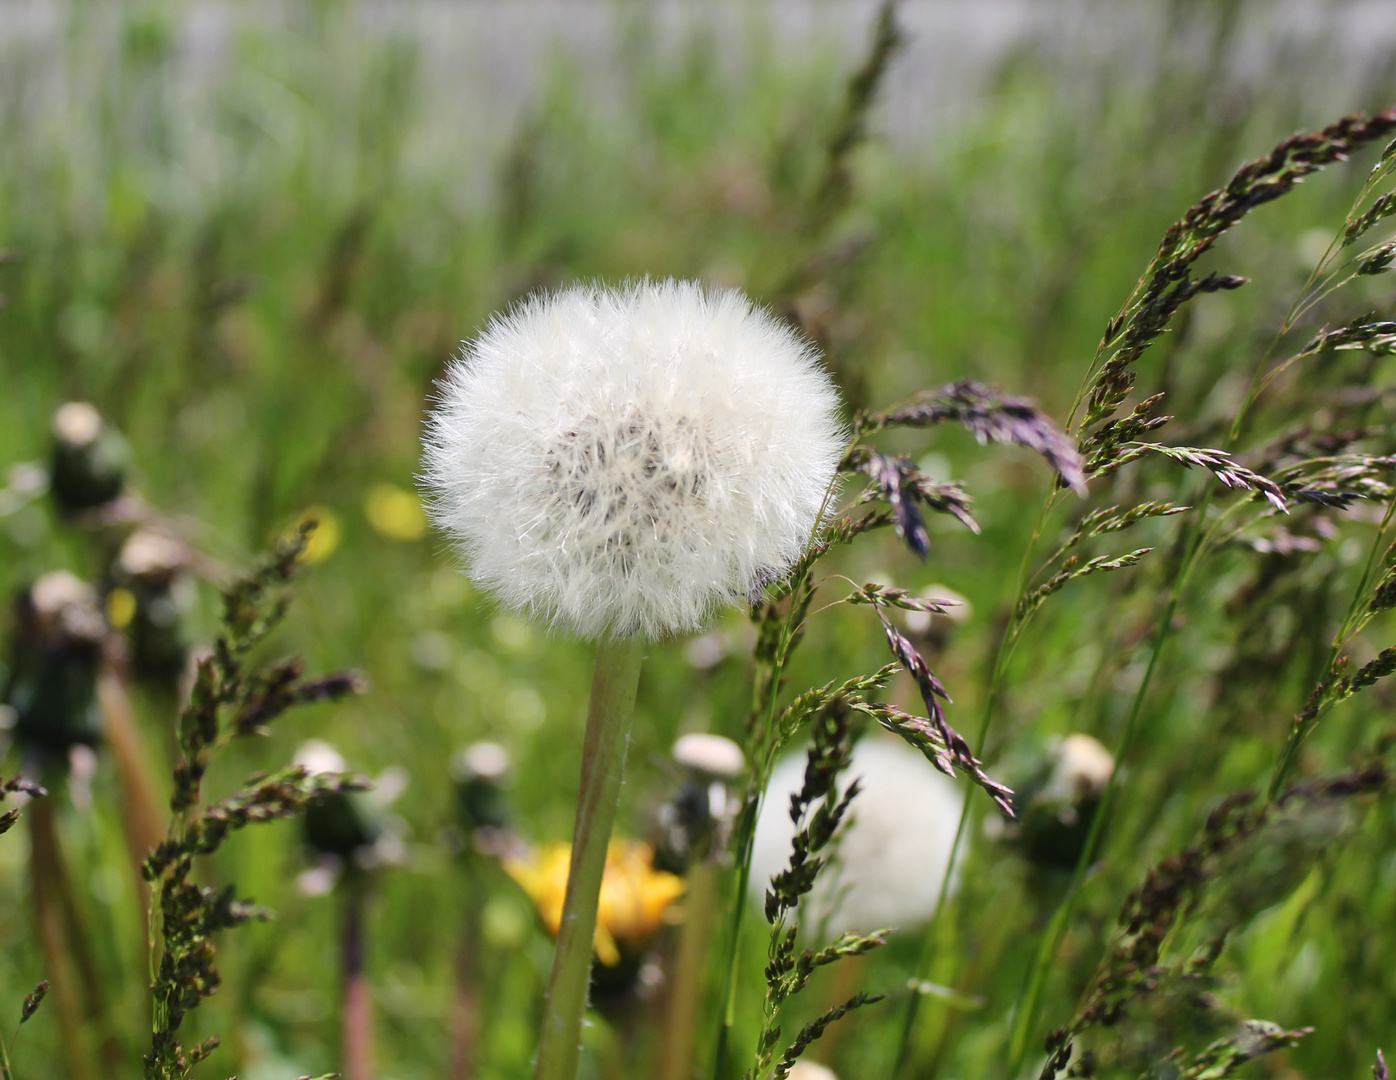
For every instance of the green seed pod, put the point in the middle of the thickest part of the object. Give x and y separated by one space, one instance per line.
698 811
1058 805
345 825
482 777
151 592
53 678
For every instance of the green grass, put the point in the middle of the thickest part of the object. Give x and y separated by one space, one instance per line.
259 288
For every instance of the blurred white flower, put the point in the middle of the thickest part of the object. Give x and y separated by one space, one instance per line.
709 755
1081 768
893 853
319 758
626 460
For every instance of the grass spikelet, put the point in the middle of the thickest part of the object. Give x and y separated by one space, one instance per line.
228 701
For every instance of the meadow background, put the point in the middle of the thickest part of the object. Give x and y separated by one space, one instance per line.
252 235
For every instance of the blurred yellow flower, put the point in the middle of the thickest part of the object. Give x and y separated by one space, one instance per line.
635 897
121 608
395 512
323 539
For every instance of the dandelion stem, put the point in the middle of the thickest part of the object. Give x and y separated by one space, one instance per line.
48 882
358 999
685 999
465 1020
614 682
141 818
745 832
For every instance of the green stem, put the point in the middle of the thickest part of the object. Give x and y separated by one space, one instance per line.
1025 1016
614 682
766 698
357 1019
746 829
1353 623
1002 655
686 993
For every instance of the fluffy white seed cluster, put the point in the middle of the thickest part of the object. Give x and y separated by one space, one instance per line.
894 851
621 461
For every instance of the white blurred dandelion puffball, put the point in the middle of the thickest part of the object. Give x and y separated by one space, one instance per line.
622 461
893 851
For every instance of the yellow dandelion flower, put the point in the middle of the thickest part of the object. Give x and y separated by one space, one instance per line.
395 512
635 897
121 608
325 537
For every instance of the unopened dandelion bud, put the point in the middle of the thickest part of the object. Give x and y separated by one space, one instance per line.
90 459
339 824
152 592
57 652
710 755
809 1070
1057 808
623 461
700 808
482 774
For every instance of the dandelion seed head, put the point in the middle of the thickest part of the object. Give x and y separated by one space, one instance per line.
893 853
627 460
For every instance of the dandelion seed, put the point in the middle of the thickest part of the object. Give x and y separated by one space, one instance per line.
626 460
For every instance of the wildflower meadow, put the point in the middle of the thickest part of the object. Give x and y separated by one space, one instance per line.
734 541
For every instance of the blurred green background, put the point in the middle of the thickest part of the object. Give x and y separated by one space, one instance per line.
252 235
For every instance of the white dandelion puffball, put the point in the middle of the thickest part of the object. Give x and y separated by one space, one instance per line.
893 852
621 461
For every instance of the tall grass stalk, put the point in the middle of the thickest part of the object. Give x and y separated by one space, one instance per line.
1352 622
1197 536
1025 1015
1003 655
